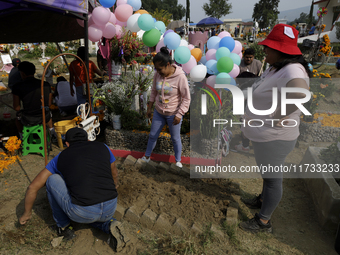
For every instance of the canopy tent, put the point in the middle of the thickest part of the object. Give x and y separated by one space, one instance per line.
30 21
210 21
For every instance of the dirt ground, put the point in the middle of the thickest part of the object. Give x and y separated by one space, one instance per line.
200 201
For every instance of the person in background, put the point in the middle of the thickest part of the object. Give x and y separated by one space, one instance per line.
66 103
81 184
312 30
171 96
78 75
14 76
102 62
303 31
28 93
273 141
249 63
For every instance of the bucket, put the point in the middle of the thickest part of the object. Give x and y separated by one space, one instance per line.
61 128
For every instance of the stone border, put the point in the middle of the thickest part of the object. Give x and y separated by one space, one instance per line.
160 223
314 132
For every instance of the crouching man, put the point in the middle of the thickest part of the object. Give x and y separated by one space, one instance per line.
81 184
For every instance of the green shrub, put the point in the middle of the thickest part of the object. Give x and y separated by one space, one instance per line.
259 53
132 120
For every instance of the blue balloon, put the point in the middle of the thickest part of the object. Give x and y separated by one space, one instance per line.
107 3
211 66
311 67
154 20
136 4
160 26
222 52
227 42
168 31
203 60
232 81
223 78
172 40
236 58
214 42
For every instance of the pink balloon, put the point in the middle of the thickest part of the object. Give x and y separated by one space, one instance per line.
122 24
211 54
80 22
119 31
223 34
236 71
123 12
211 81
160 45
101 15
241 56
120 2
189 65
90 20
109 31
113 19
191 47
238 47
95 33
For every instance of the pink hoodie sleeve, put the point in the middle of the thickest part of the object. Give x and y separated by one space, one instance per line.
184 91
153 89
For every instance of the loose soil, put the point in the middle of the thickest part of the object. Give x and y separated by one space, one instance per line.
200 201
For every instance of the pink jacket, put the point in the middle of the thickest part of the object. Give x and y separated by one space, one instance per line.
171 94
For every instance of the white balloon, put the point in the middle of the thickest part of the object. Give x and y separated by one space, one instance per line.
132 23
184 43
198 73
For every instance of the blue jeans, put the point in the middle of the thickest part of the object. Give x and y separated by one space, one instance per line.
98 215
80 97
158 122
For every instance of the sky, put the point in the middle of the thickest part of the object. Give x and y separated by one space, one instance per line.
241 9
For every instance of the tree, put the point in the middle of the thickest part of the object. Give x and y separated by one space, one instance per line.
304 18
187 16
266 13
171 6
162 15
217 8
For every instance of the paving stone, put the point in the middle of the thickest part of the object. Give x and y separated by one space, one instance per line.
162 225
232 216
196 229
119 213
184 171
216 230
151 167
174 169
130 161
131 215
56 241
140 163
179 227
163 166
148 219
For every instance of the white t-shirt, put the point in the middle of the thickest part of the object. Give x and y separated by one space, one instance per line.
64 97
263 99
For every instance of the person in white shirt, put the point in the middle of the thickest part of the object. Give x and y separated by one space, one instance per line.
66 103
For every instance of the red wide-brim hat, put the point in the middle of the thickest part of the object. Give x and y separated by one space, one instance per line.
283 38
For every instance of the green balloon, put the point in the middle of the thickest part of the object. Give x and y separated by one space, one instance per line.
151 37
225 65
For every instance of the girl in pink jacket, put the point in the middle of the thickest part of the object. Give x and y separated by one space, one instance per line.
171 96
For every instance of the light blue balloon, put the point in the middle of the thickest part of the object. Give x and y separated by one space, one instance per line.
203 60
222 52
310 67
145 22
223 78
107 3
172 40
211 66
236 58
182 55
160 26
136 4
227 42
154 20
214 42
232 81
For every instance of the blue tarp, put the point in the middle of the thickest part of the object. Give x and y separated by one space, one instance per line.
210 21
25 21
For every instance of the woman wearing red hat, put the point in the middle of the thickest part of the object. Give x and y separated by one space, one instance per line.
274 140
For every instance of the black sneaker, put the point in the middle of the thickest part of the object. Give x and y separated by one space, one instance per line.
255 225
67 233
253 203
118 237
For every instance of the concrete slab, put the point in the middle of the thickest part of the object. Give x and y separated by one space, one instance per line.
148 219
119 213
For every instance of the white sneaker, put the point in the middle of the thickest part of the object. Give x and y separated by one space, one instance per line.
240 147
145 159
179 164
